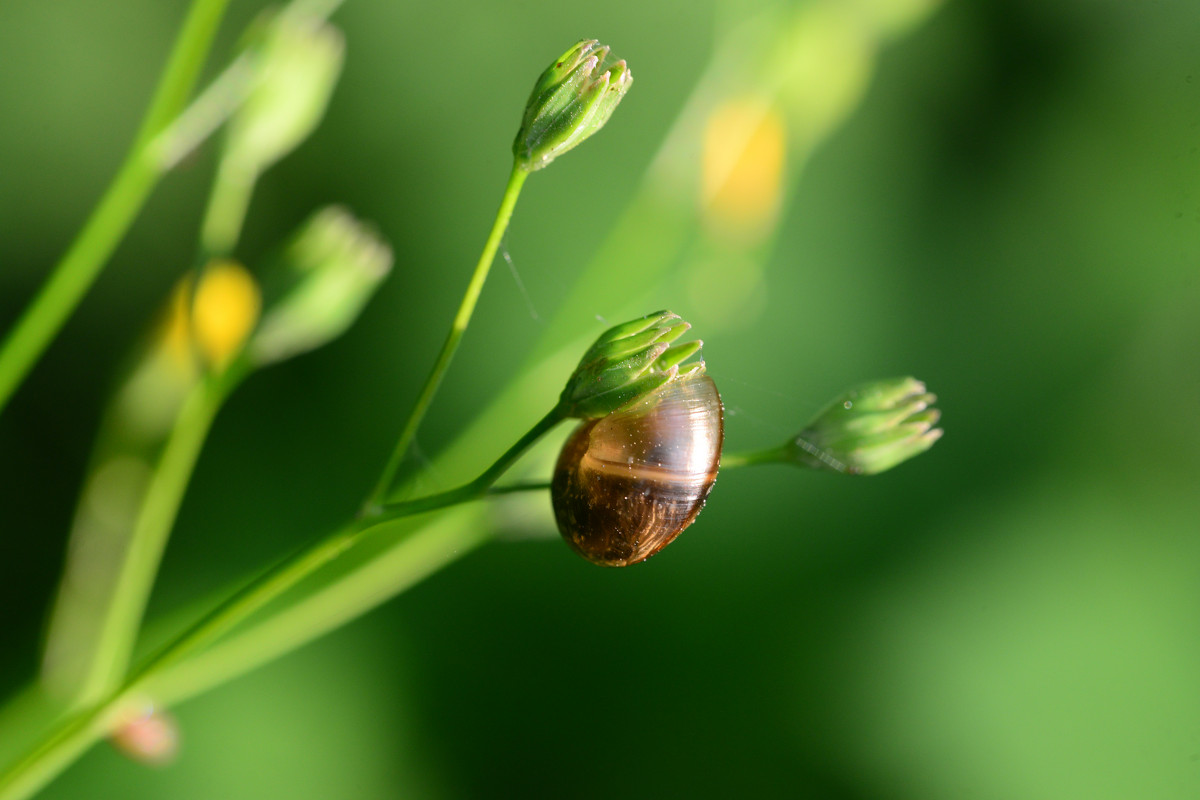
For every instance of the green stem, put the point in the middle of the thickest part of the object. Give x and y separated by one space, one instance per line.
74 734
418 554
770 455
119 621
524 486
227 206
478 487
292 570
77 270
118 628
207 112
516 180
58 750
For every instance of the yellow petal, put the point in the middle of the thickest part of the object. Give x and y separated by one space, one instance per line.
225 310
745 147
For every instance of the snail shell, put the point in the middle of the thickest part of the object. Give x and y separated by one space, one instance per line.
627 484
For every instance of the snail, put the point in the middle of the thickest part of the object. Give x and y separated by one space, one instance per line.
627 484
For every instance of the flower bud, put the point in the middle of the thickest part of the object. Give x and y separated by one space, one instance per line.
571 101
628 362
296 58
869 429
325 276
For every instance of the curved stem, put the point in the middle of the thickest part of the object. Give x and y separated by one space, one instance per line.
81 264
56 752
516 180
227 206
121 621
292 570
524 486
479 486
74 734
420 552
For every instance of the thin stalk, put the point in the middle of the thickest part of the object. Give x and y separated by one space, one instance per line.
458 327
291 571
207 112
81 264
120 624
73 735
747 458
121 620
59 750
478 487
524 486
227 206
418 554
421 552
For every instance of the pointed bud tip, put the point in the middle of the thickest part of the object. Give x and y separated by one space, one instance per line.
323 280
870 428
569 103
628 361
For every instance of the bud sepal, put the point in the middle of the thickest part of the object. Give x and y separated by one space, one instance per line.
330 269
571 100
869 429
628 362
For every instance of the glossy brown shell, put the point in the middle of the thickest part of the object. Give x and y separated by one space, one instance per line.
627 484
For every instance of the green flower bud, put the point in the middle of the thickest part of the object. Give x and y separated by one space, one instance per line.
628 362
296 59
869 429
325 276
571 101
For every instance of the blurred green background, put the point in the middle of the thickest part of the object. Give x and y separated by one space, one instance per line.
1009 211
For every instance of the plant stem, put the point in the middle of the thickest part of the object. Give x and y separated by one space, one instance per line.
770 455
74 734
207 112
479 486
421 552
291 571
122 619
417 554
458 327
120 614
77 270
58 750
227 206
524 486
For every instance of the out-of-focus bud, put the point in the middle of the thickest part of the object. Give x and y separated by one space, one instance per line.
570 101
296 57
628 362
869 429
325 276
225 307
150 736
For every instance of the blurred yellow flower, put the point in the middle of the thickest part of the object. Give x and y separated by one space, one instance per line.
175 336
744 154
225 309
